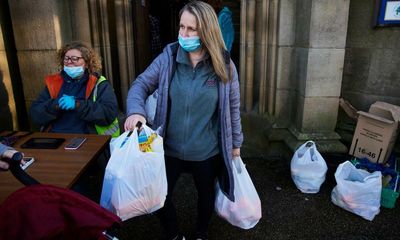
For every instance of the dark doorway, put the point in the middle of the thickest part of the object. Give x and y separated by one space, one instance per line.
167 13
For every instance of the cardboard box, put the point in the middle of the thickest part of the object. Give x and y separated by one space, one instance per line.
376 132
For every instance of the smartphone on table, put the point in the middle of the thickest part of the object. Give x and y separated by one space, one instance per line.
75 143
28 161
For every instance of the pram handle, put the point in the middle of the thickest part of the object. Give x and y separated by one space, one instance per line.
18 172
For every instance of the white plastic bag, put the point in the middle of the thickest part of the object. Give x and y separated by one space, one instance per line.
135 182
308 168
245 212
151 107
357 190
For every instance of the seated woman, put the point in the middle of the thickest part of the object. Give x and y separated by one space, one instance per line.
77 99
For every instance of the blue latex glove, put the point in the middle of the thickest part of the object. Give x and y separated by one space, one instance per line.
66 102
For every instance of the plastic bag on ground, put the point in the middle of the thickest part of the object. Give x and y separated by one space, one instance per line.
245 212
308 168
357 190
135 182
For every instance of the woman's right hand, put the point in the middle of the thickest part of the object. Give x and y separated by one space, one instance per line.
132 120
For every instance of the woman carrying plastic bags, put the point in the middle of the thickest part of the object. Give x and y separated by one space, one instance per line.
198 108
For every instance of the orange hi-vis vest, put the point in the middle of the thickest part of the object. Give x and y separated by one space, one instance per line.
55 82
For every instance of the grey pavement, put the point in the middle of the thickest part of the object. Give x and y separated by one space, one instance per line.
287 213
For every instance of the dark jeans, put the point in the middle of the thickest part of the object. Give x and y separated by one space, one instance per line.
87 184
204 174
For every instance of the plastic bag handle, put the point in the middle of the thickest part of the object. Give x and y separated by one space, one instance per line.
138 126
310 144
237 165
306 146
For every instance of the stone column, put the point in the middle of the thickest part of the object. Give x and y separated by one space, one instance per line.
8 111
39 30
321 27
100 32
80 21
125 45
283 88
247 56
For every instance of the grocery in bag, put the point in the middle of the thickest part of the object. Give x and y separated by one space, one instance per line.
135 181
357 190
308 168
245 211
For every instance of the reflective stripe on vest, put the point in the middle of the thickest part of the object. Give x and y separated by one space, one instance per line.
113 128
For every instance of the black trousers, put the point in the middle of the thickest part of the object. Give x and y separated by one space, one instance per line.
204 174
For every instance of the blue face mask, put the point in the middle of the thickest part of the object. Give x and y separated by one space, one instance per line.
74 72
189 44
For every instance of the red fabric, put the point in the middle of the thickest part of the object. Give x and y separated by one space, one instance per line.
48 212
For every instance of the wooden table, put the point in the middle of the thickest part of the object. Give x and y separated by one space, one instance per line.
58 167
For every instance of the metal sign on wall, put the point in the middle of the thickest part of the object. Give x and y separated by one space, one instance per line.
386 13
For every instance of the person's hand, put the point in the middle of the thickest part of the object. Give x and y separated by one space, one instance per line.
4 165
236 152
131 121
66 102
7 154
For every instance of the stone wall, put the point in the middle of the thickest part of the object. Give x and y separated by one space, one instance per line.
371 66
38 34
372 59
319 54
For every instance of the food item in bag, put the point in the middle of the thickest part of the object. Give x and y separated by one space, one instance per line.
145 142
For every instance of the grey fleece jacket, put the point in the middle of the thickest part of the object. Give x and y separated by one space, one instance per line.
158 76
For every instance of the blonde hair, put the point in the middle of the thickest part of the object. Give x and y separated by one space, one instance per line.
210 35
92 59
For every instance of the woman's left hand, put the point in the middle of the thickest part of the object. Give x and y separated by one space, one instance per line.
236 152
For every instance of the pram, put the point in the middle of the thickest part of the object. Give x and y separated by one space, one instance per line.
40 211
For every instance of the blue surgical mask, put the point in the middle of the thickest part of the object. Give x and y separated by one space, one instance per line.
74 72
189 44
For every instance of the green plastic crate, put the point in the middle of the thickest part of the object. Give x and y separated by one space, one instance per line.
389 196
